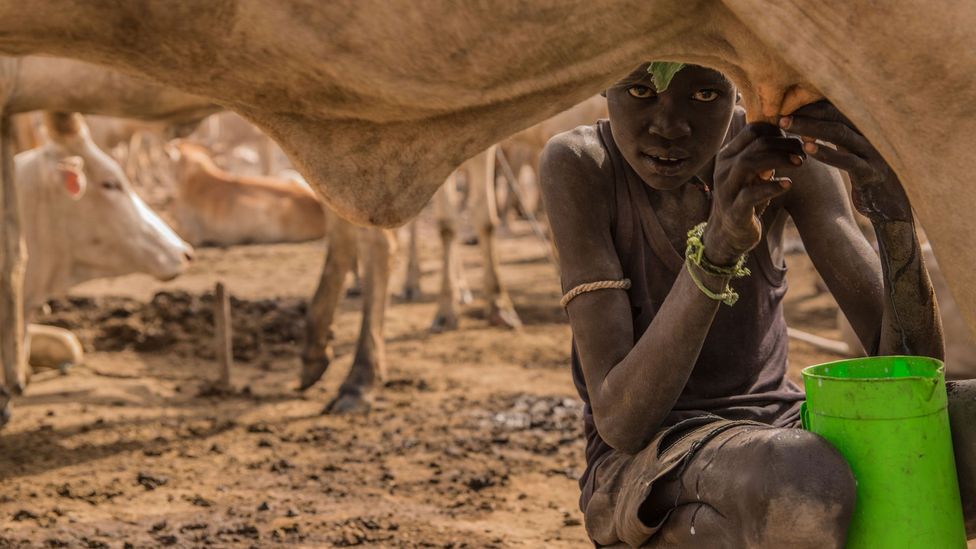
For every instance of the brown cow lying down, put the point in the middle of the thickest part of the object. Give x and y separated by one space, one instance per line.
215 207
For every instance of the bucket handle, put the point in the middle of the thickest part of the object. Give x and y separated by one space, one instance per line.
804 416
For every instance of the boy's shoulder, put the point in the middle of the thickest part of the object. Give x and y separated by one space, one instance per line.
579 153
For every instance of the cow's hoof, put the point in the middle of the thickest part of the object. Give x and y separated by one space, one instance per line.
444 323
4 407
505 317
353 402
465 297
17 389
354 291
312 371
411 293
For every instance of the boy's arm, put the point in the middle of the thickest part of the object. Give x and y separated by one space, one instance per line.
902 303
843 257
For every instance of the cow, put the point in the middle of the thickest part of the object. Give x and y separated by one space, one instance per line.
500 311
376 110
32 83
212 206
83 221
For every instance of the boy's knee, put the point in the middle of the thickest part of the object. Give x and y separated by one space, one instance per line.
809 491
802 493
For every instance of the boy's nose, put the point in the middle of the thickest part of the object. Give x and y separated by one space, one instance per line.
670 129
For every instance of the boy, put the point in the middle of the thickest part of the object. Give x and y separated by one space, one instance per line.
669 228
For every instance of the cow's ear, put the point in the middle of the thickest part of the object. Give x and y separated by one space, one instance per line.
72 173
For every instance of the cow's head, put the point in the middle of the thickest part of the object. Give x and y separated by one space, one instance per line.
110 231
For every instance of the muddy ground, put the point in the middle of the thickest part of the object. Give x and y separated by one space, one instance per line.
474 440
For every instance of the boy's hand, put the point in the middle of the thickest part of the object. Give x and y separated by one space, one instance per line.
877 193
743 189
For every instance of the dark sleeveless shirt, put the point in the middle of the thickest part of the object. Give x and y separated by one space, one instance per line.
741 370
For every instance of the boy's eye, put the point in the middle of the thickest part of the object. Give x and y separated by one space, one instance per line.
705 96
640 92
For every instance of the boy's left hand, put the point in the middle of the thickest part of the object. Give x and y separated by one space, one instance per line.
877 193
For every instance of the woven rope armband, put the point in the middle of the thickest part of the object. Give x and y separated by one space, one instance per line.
592 287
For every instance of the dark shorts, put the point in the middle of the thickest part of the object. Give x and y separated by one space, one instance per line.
622 482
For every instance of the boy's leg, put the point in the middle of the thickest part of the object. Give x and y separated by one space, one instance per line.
962 421
754 486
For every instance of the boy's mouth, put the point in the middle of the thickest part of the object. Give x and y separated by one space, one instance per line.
667 165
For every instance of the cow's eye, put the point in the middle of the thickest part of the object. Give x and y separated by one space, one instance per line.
640 92
110 185
705 96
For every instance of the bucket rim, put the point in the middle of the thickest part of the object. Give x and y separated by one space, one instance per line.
807 372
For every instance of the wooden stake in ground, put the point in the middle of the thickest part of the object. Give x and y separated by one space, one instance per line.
223 336
14 260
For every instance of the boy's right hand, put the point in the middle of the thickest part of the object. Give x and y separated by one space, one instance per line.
743 189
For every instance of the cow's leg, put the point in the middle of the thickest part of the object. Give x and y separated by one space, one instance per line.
340 258
355 288
377 247
411 284
4 406
464 295
528 183
500 310
267 155
14 260
445 211
504 199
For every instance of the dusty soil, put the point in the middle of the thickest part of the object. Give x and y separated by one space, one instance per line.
474 440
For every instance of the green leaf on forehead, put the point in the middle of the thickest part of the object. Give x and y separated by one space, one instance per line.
662 72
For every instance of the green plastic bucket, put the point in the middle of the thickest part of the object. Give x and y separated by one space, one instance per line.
887 416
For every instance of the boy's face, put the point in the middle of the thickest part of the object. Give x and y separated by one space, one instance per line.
668 137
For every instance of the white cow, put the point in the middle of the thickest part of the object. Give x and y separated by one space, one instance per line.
83 221
46 83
